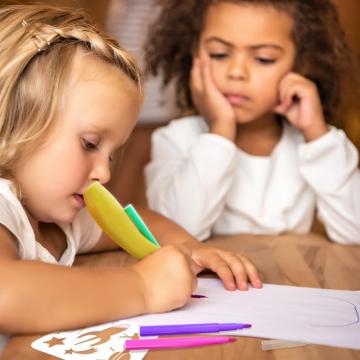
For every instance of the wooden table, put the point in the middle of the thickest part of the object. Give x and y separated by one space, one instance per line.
300 260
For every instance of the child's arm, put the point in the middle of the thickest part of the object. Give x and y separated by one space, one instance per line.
328 161
190 175
233 269
330 166
179 164
185 157
41 297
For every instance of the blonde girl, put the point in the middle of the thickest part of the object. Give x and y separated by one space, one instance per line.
69 97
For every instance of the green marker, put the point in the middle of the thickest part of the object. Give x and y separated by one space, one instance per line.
139 223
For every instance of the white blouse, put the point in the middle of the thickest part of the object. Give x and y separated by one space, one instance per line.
81 235
209 186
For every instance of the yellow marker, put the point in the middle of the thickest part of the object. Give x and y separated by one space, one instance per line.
114 221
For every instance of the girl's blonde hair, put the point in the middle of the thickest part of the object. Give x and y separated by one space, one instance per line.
37 45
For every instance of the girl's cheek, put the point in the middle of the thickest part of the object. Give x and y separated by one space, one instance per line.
218 74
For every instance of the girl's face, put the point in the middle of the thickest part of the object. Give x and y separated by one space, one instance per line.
96 116
250 50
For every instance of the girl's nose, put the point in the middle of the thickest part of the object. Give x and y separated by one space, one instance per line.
101 172
237 69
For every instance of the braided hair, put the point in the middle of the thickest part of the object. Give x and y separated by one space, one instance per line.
37 45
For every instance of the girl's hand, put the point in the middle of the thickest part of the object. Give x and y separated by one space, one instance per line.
300 103
209 101
233 269
167 278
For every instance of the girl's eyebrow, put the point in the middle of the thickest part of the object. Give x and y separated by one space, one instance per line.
217 39
99 129
253 47
269 46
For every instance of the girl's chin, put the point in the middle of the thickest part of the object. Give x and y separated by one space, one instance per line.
68 218
243 118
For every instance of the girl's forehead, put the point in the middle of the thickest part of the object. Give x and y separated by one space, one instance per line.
88 68
247 21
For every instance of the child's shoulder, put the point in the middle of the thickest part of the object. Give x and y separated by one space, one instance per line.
180 133
7 191
188 126
12 213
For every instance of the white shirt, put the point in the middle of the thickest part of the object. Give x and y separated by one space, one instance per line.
81 235
209 186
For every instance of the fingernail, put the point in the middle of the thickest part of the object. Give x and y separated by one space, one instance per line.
243 285
232 286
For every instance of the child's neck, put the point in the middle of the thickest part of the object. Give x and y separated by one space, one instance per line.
49 235
259 137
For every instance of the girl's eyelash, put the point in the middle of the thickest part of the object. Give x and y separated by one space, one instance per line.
222 56
218 56
88 145
265 60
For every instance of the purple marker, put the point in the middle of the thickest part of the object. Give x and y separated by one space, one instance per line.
156 330
196 296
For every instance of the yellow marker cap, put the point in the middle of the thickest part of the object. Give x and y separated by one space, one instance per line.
112 218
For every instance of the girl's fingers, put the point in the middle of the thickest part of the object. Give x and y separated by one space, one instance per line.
195 268
235 270
251 271
222 269
294 86
238 270
287 97
243 269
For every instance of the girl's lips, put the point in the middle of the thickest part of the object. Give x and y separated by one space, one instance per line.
79 200
235 99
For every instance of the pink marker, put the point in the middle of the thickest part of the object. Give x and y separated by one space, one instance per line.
181 342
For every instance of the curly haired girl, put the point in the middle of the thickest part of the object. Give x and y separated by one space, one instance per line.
260 152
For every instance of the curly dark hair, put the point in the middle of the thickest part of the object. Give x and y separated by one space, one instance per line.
322 53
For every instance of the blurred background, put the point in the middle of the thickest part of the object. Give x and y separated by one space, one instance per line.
127 21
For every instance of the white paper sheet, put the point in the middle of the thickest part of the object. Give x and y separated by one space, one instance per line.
318 316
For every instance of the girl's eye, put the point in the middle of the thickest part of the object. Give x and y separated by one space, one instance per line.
88 145
218 56
263 60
